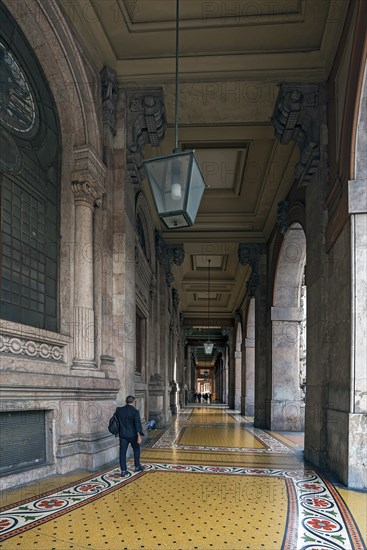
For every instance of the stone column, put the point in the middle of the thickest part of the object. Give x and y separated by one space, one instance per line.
248 359
255 256
88 188
286 408
230 367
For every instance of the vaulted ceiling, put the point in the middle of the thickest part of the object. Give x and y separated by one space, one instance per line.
233 56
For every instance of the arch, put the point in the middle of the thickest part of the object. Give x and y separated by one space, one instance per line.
360 150
287 316
75 87
72 80
30 185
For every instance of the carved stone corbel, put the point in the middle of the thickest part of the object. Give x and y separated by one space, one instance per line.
297 118
109 90
168 255
248 254
146 123
282 216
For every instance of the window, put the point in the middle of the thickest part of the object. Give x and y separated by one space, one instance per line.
29 178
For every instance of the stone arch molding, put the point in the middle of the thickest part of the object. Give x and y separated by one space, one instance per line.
287 408
73 82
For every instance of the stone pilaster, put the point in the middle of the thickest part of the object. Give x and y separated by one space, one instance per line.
88 187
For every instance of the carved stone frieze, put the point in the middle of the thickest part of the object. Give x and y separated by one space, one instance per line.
297 118
109 89
31 348
146 123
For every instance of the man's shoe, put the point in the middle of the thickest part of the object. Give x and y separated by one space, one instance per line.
139 469
124 474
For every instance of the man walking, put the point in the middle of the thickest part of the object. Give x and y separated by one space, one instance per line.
131 432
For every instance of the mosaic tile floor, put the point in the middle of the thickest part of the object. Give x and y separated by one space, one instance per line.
233 488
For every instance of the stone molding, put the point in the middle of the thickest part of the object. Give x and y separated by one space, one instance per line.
287 314
357 197
87 178
32 341
296 118
249 343
31 348
249 254
109 88
146 123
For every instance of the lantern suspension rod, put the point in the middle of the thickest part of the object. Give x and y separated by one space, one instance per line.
176 92
208 298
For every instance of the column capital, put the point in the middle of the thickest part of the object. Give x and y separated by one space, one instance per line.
87 179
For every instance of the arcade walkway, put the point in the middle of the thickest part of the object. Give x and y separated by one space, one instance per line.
212 481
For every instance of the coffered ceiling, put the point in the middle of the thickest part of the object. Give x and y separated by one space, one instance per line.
233 56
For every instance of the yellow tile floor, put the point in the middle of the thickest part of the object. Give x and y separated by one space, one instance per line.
261 497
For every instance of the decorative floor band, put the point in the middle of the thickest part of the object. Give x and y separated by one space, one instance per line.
317 517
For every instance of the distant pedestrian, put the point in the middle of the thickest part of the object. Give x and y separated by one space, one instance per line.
131 431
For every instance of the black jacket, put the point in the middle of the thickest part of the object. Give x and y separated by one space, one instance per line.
130 423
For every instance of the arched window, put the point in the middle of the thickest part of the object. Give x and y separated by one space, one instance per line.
141 234
29 178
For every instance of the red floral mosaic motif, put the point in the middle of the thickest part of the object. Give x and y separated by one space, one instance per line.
319 502
322 524
311 486
4 523
88 487
51 503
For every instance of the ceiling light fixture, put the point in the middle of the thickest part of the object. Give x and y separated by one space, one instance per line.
208 346
176 181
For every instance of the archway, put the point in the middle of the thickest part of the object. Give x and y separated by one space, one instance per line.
288 317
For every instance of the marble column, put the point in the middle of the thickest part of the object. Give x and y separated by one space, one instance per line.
286 408
87 185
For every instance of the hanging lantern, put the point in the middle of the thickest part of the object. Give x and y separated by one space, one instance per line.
177 186
176 181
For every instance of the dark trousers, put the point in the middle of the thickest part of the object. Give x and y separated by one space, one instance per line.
124 443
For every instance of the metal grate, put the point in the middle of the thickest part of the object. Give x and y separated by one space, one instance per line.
22 440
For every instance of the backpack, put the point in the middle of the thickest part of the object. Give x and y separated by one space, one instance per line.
114 425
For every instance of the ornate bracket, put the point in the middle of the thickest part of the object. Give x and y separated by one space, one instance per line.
297 118
168 255
248 254
282 216
146 123
109 97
